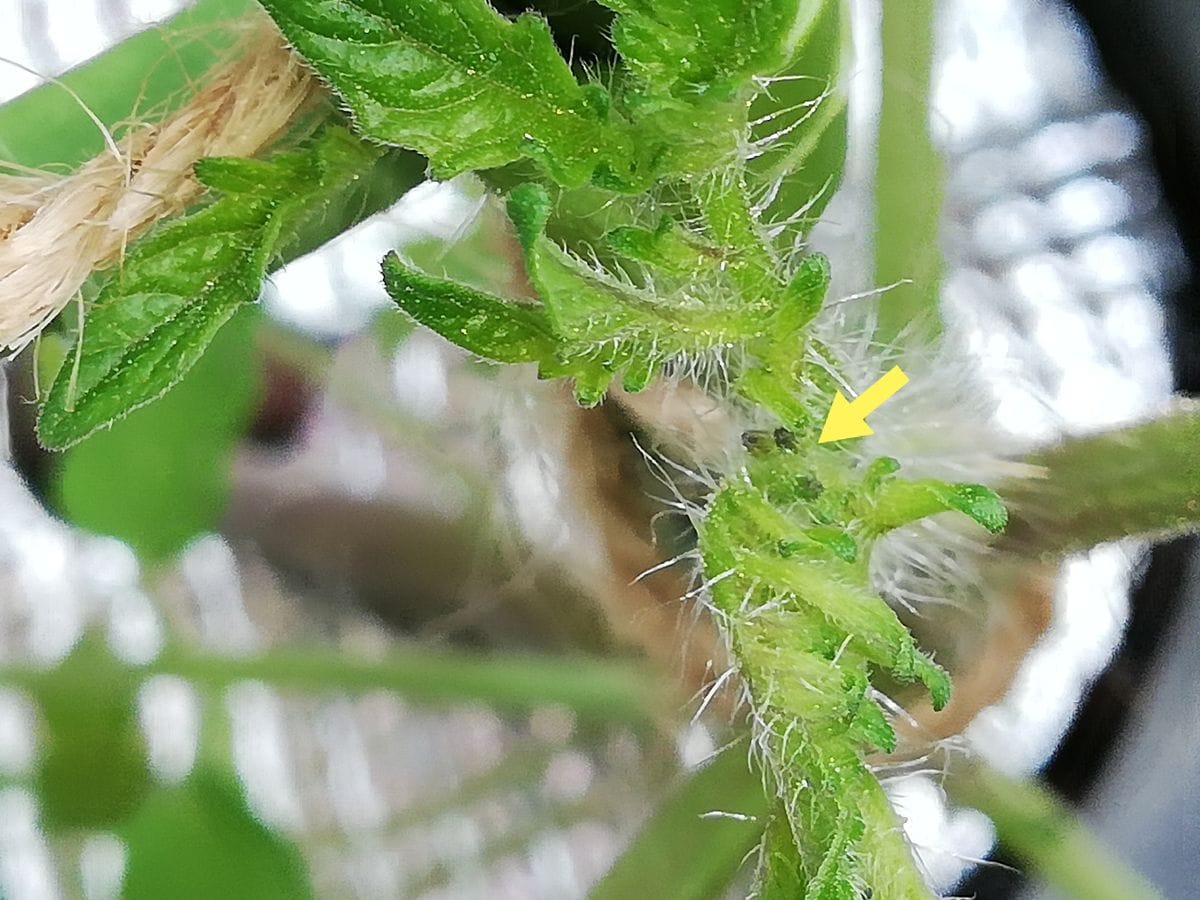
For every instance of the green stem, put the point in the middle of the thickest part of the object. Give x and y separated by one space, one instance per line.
591 688
1044 832
892 871
908 175
47 126
594 689
1140 480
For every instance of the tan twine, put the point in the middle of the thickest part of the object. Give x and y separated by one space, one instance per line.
55 231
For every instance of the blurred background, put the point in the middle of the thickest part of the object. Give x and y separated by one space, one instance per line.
361 619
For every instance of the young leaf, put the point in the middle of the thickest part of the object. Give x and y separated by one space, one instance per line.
178 286
698 47
488 326
459 83
606 326
899 502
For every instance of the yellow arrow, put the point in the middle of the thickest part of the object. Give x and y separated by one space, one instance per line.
848 419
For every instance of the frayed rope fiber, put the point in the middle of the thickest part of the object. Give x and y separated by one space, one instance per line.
55 231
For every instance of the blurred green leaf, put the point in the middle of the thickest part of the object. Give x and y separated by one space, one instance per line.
1139 480
390 329
160 477
800 125
92 772
200 841
683 852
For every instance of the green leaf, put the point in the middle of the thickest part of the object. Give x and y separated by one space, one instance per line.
488 326
605 326
684 854
92 772
900 502
804 296
200 840
459 83
160 477
706 47
668 247
696 64
154 318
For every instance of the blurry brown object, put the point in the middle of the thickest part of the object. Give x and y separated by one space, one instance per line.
645 610
1019 614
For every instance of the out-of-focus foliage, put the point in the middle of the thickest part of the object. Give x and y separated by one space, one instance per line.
699 837
160 476
200 841
93 772
50 126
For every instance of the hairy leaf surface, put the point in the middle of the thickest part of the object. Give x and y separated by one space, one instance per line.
695 47
488 326
459 83
160 477
154 318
